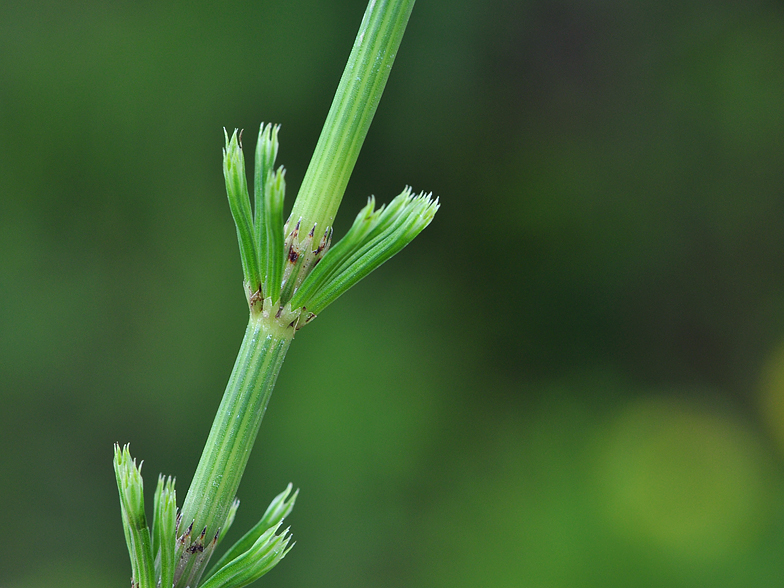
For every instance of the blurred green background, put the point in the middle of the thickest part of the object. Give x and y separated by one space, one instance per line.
573 378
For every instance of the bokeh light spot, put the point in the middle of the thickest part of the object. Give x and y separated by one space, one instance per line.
772 394
683 478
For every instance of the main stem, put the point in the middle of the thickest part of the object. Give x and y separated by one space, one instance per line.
266 340
236 424
351 113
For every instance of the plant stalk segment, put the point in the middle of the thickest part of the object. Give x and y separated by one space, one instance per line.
351 113
214 486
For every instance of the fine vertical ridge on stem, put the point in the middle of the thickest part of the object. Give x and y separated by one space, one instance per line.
351 113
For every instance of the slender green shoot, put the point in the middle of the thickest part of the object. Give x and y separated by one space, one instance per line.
164 529
137 534
290 273
265 553
239 203
373 239
278 509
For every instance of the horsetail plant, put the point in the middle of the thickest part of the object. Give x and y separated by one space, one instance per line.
291 273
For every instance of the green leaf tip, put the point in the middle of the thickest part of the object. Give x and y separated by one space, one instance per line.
239 204
375 236
265 553
229 520
164 529
137 534
280 507
270 190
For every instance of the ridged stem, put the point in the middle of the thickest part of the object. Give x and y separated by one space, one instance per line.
351 113
234 430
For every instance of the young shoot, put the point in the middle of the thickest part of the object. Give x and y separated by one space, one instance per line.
291 272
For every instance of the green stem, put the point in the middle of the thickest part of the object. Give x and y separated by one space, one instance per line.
267 338
233 432
351 113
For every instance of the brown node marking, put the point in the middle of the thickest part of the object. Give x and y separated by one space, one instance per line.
187 533
323 243
293 255
257 296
